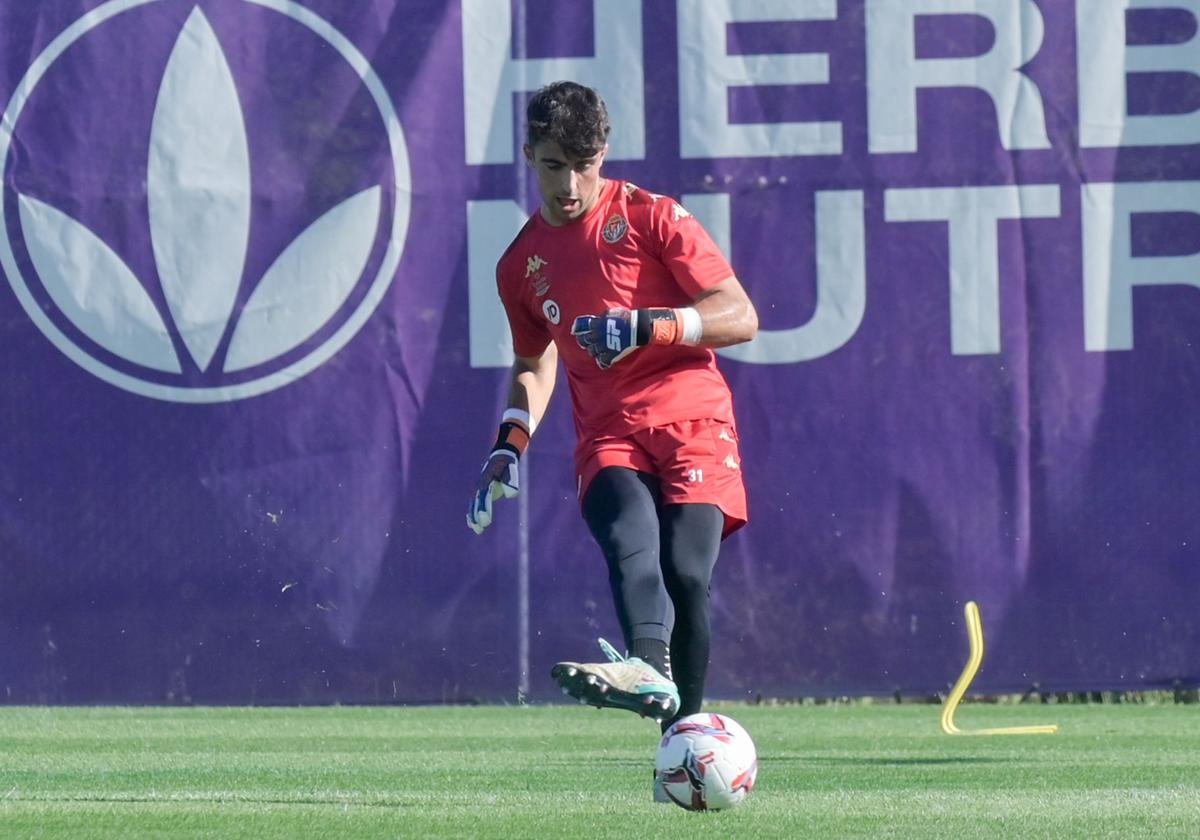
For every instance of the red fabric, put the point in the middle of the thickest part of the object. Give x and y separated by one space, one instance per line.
634 250
696 461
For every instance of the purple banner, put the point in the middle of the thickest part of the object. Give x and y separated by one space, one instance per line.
253 353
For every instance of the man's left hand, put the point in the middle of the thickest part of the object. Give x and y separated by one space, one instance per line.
499 479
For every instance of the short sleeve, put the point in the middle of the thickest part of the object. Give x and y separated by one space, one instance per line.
687 250
530 336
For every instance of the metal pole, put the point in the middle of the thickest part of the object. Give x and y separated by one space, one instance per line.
520 48
523 585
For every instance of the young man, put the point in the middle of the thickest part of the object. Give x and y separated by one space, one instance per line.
629 291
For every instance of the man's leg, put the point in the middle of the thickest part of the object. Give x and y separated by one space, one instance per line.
691 540
621 510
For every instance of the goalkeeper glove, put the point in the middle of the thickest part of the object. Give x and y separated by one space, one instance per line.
500 476
610 337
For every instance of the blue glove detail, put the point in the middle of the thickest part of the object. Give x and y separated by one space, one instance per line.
607 338
499 478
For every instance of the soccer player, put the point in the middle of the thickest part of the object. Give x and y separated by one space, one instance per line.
629 291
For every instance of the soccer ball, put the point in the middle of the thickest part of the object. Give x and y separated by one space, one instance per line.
705 762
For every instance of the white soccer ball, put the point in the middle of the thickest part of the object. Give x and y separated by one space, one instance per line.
706 762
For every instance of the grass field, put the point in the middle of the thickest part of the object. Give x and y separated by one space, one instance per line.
555 771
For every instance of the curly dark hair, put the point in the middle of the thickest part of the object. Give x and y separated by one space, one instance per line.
571 115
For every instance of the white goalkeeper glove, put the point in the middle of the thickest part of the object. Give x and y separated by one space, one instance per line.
500 477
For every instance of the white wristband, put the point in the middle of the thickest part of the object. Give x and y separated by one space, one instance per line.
692 327
521 416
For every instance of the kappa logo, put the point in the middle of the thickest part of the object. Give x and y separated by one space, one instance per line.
678 211
614 229
244 286
533 268
533 265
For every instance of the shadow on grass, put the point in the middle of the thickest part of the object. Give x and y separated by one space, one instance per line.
101 799
880 762
592 760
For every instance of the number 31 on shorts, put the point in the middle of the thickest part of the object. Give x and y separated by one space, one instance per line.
695 476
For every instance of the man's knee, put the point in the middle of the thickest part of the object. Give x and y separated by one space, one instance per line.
639 570
691 583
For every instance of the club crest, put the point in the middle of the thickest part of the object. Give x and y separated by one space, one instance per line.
614 229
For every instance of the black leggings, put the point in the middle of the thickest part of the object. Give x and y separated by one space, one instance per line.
660 562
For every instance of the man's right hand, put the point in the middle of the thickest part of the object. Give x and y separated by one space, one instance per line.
607 338
499 479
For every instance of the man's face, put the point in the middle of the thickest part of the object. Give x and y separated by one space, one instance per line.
569 186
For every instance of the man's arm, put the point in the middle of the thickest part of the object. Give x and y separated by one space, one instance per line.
726 315
532 383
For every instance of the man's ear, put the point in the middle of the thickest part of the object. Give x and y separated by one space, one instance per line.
528 150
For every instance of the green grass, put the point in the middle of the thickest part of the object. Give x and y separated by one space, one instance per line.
558 771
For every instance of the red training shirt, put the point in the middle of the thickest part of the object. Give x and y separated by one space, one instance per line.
633 249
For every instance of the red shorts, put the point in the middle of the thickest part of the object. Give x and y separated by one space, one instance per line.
696 461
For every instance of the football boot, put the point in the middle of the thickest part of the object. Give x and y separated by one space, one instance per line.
621 683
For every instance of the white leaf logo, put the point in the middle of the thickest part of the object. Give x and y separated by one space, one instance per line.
198 192
94 288
307 284
199 188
